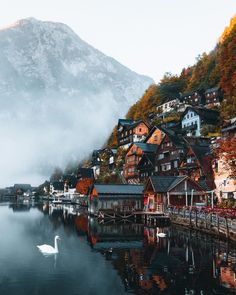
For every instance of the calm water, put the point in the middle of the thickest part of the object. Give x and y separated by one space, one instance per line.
106 258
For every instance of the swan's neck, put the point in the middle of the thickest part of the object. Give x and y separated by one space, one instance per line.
55 245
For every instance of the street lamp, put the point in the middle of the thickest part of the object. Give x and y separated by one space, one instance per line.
192 198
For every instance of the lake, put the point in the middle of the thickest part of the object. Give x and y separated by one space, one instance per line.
108 258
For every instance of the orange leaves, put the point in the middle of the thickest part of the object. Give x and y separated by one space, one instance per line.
226 151
83 185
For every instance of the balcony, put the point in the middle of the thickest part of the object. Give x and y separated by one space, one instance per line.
190 127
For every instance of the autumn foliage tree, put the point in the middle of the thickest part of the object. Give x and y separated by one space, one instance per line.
83 185
227 66
226 151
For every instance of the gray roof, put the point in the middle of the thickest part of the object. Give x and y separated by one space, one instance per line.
23 186
119 189
58 185
124 122
214 89
147 147
163 184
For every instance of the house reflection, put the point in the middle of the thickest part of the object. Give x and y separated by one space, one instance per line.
20 207
183 262
121 235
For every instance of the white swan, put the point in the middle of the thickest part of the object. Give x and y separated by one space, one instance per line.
47 249
160 235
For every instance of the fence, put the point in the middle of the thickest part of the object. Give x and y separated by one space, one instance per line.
209 222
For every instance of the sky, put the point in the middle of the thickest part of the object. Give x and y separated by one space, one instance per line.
150 37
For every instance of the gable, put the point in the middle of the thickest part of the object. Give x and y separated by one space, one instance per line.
134 149
156 137
191 185
141 128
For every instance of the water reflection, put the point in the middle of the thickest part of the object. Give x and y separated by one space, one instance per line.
108 258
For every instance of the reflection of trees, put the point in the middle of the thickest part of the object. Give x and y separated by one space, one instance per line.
183 263
63 216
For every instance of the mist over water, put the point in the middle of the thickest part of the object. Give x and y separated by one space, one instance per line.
38 134
59 99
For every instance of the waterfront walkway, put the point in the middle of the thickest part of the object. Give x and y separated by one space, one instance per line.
214 222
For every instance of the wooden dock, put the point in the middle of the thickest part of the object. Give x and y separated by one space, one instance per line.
151 218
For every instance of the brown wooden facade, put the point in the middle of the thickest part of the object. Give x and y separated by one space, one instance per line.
131 131
169 154
161 192
132 159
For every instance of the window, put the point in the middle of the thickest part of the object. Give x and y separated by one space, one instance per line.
191 115
155 137
160 156
166 167
175 164
140 129
189 160
156 168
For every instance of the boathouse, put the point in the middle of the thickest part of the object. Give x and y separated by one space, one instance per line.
114 198
162 191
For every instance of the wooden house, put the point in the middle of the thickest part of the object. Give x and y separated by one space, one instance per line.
198 164
57 188
132 158
146 166
70 182
194 98
213 96
162 191
195 118
124 198
130 131
169 153
229 128
20 189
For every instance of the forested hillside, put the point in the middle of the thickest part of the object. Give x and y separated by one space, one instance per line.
217 68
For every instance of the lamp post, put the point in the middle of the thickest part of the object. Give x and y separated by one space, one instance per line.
212 198
192 198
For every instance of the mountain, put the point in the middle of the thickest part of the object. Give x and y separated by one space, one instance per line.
59 98
39 57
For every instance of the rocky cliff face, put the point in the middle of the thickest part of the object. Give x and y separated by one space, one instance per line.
43 58
59 98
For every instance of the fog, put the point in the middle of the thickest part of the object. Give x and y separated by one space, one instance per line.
38 134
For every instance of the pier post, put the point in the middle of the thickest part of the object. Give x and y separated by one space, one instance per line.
196 218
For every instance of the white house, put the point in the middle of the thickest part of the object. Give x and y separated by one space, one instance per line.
168 105
191 123
194 118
